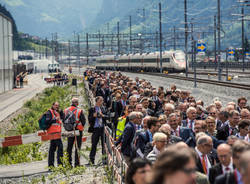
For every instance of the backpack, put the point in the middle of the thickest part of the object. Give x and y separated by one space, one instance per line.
43 124
69 123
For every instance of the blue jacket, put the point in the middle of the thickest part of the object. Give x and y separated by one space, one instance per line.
127 138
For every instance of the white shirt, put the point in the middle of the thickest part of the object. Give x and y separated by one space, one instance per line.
225 123
247 138
230 166
177 131
208 164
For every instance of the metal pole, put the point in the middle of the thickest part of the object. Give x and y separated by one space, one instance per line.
160 29
144 18
118 37
192 29
69 52
219 54
99 39
215 40
195 79
46 48
227 65
52 50
107 28
56 48
242 37
186 36
78 53
130 34
87 47
174 38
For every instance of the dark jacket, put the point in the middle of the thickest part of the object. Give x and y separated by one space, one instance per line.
188 136
174 139
199 164
227 178
127 138
215 171
223 132
142 140
91 118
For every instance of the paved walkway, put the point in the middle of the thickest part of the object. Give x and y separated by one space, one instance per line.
13 100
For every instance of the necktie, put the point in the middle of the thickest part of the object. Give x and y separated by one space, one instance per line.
203 162
227 169
176 133
190 124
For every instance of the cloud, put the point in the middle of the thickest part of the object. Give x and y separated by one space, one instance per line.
46 18
14 2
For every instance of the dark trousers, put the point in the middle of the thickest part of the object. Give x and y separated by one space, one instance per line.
97 134
71 141
53 145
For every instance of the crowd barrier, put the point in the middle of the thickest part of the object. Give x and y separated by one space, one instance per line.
50 80
115 159
35 137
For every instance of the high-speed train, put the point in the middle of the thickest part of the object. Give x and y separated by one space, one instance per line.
172 61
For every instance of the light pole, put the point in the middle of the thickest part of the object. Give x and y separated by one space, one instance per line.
139 34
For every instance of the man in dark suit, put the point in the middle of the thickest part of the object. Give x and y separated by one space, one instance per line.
117 109
204 160
226 163
234 177
147 136
222 120
128 136
96 119
191 116
229 128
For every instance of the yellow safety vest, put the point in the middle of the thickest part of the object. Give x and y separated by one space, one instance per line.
120 126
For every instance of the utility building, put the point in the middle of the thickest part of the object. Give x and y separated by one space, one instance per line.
6 62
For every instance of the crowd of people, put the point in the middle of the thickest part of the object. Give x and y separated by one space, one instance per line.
166 135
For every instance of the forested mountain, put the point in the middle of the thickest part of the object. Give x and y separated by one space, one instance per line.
43 17
200 13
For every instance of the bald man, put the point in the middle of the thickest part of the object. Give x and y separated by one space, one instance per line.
224 153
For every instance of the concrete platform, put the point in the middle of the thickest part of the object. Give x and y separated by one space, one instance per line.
13 100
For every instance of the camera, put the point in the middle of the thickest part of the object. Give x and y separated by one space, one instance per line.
99 115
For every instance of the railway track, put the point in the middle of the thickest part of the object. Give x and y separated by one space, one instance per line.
207 81
246 75
213 72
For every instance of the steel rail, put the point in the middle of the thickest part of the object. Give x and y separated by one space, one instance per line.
207 81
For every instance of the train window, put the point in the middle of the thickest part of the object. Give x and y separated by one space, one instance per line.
167 60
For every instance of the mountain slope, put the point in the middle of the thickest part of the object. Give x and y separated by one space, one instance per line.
43 17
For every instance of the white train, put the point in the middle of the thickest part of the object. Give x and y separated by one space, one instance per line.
172 61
